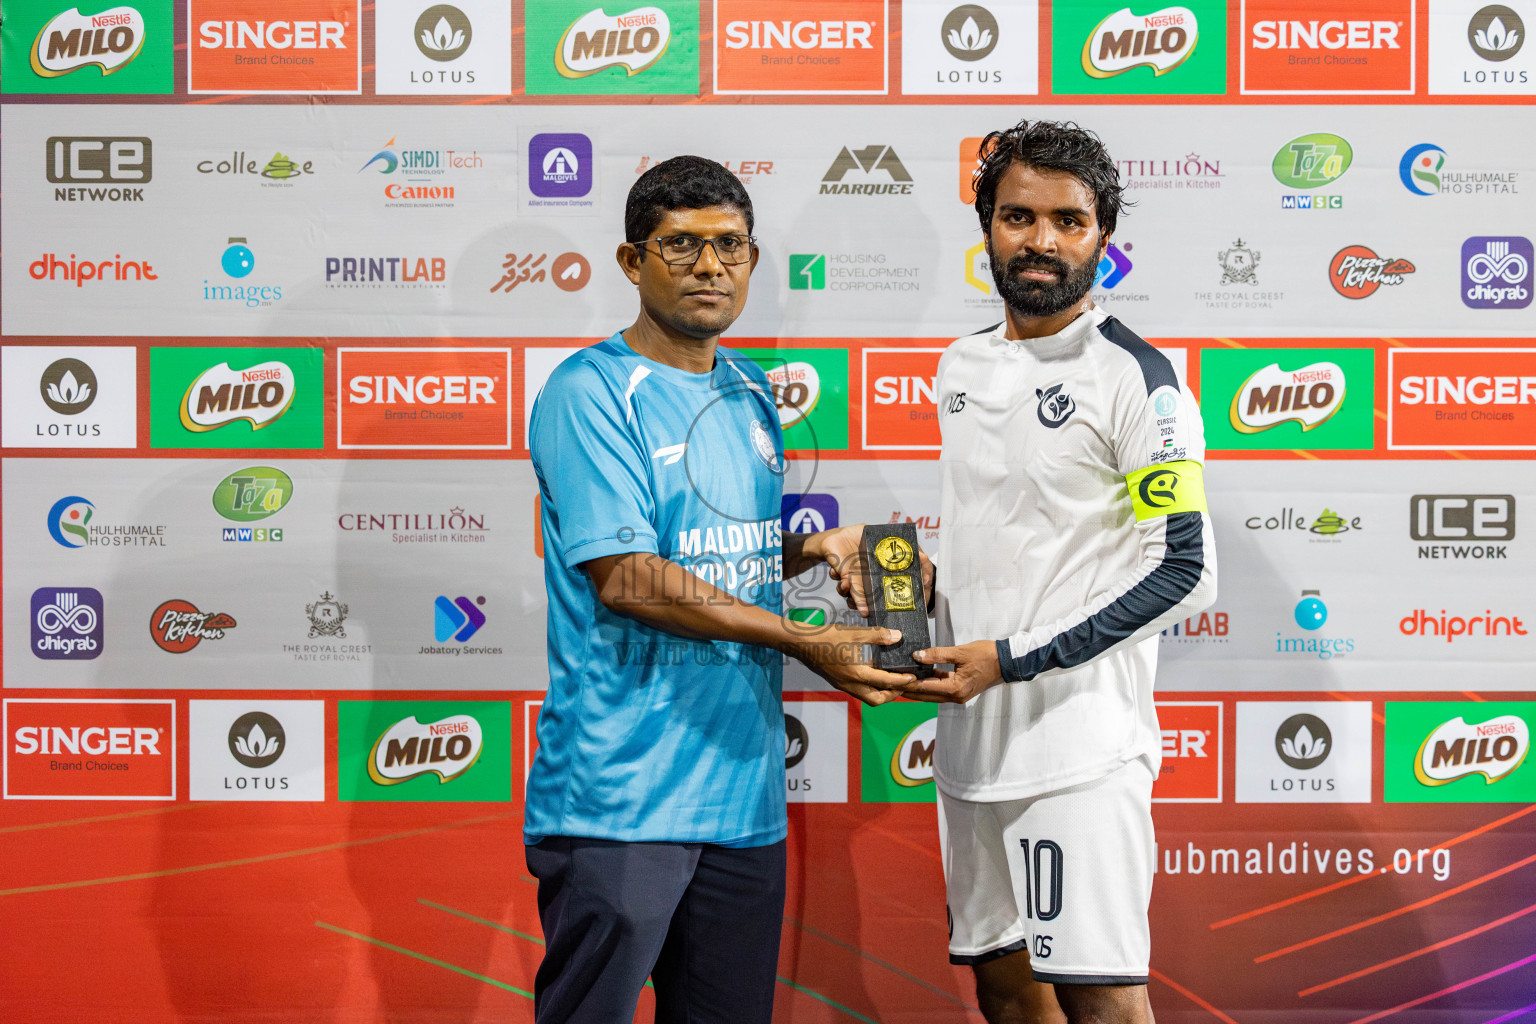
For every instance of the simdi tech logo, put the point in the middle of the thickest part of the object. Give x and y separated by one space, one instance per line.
90 48
1447 752
247 46
794 46
1298 398
411 398
1470 399
1367 47
1108 49
236 397
69 749
579 47
424 750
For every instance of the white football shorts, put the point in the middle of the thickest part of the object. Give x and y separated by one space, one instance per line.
1066 876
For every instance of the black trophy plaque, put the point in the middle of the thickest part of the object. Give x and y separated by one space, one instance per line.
893 586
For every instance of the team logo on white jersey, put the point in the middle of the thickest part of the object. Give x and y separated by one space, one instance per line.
1055 406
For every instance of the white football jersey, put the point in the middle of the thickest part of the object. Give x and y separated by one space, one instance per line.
1073 530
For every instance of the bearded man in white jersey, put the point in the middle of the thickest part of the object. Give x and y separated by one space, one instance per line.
1074 530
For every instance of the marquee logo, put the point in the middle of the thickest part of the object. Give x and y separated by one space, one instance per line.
71 41
634 41
67 623
220 395
1356 271
865 162
799 46
73 749
1456 750
1161 41
402 398
239 46
1272 396
1496 272
177 626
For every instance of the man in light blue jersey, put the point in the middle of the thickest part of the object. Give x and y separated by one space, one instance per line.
655 818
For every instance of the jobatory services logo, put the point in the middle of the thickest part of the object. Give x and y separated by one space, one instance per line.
1356 272
69 396
98 273
797 48
1288 398
97 169
73 523
233 397
1449 628
1191 735
1105 49
238 46
415 398
178 626
810 391
1479 48
1311 162
256 750
424 750
1304 752
876 170
950 49
1310 616
1317 48
1474 399
72 749
86 49
1448 752
68 623
1466 525
457 619
816 751
900 407
897 742
1496 272
1113 266
574 47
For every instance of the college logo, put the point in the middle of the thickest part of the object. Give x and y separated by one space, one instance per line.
122 49
1496 272
67 624
1462 518
1100 48
47 391
808 513
1356 271
1304 752
1054 406
404 398
177 626
560 165
237 46
800 50
651 49
810 392
1466 399
1191 735
1328 524
89 749
424 750
1161 41
1445 752
864 163
1317 51
68 386
97 162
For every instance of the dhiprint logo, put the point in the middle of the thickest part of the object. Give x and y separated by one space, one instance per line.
69 521
560 165
177 626
456 619
1421 622
1420 169
969 32
71 41
407 749
67 623
1496 272
68 386
1496 33
443 33
866 162
257 740
50 268
1113 266
1356 271
1303 741
1054 406
1161 41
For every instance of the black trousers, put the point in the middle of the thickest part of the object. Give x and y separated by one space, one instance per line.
701 921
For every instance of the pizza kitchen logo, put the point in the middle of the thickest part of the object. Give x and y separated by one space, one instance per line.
1356 272
1272 396
178 626
1161 41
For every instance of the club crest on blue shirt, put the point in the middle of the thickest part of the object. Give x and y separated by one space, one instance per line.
762 444
1054 406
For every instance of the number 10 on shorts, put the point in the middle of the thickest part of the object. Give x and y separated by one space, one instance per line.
1042 888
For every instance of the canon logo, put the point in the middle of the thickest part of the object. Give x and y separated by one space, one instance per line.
43 739
799 35
1326 35
427 390
271 35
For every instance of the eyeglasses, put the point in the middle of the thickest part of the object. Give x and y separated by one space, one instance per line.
684 250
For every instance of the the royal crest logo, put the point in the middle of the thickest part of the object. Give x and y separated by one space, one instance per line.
1455 750
220 395
177 626
1161 41
1272 396
634 41
1239 264
326 617
71 41
1055 406
447 748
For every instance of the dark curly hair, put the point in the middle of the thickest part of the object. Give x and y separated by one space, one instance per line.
1054 146
681 183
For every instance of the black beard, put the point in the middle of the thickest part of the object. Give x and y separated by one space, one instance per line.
1038 298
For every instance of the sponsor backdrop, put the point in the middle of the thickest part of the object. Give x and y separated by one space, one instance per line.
284 281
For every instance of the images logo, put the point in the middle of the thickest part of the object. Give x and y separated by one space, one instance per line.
252 494
1311 614
560 165
67 624
443 33
68 386
424 750
808 272
238 46
1161 41
177 626
1308 396
237 261
1496 33
1420 169
457 618
1356 271
1445 752
236 397
97 162
808 513
1113 267
1473 399
1317 51
652 49
800 50
69 521
1496 272
403 398
867 161
74 749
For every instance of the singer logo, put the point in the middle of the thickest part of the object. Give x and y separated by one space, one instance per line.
220 395
90 749
900 401
1191 740
72 40
247 46
799 49
1366 47
1272 396
1161 41
1463 399
448 398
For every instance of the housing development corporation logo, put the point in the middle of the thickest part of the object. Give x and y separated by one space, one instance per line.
309 46
97 49
424 750
1319 48
646 49
1496 272
1476 399
68 623
802 46
1447 752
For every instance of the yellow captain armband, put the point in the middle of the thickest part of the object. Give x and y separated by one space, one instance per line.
1166 489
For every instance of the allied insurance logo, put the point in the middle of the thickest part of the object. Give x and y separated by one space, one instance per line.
1288 398
650 49
412 398
122 49
236 398
1469 399
793 47
89 749
424 750
247 46
1106 48
1318 48
1446 752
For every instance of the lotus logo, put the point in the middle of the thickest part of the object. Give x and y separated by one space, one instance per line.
796 741
1496 33
969 32
1303 741
407 749
68 386
1456 750
443 33
1055 406
1272 396
912 763
71 41
796 390
69 521
256 739
633 41
1420 169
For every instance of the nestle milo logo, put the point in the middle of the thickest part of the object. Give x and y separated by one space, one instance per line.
1312 161
252 494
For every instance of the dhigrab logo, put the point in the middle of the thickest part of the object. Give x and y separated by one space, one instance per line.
1496 272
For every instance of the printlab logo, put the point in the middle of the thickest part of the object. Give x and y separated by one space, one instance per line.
177 626
1356 272
443 33
1239 264
69 386
327 617
456 619
808 513
69 521
95 163
560 165
796 741
1113 266
569 271
67 624
969 32
257 739
1496 33
1496 272
893 178
1303 741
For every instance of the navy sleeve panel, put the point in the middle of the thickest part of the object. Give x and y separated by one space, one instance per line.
1156 370
1164 587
